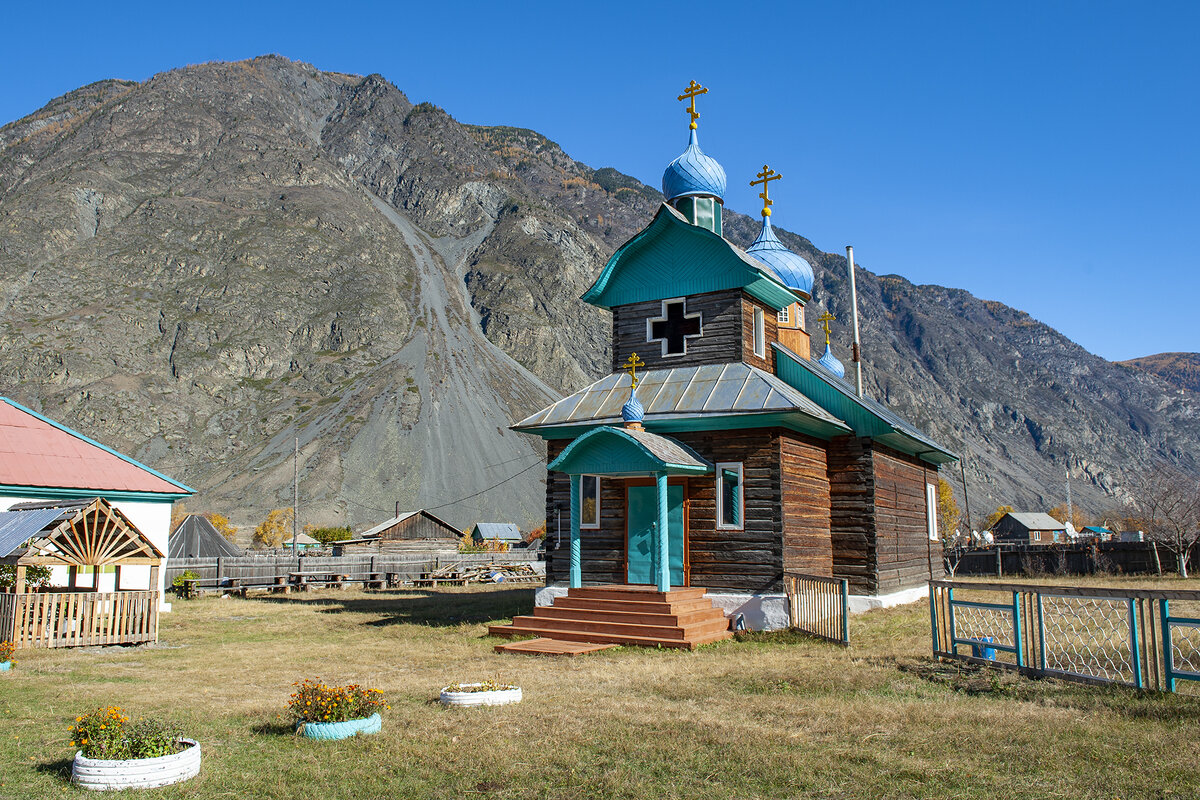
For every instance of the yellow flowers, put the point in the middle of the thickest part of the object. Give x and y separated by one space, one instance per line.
315 701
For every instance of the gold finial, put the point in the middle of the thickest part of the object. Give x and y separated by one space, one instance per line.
690 93
825 319
631 366
767 175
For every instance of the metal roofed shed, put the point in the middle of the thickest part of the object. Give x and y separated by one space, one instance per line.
412 530
505 532
687 398
195 537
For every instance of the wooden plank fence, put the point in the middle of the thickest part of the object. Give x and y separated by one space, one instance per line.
79 619
819 606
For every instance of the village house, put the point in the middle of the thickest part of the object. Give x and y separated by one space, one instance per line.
1029 527
505 533
718 455
44 461
411 530
195 537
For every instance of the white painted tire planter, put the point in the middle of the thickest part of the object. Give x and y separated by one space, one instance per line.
341 730
136 773
499 697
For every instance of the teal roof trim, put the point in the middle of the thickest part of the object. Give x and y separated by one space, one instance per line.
866 416
671 257
620 451
59 493
185 490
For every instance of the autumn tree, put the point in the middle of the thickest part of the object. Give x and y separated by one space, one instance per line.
948 513
222 524
1079 519
328 535
275 529
995 516
178 512
1169 505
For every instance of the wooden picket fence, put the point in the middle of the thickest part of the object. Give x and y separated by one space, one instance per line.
78 619
819 606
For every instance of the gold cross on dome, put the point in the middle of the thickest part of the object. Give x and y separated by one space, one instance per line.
825 319
631 366
690 93
766 176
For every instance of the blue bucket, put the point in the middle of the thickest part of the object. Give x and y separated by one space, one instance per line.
979 651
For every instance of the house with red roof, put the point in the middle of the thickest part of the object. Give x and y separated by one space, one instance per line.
42 460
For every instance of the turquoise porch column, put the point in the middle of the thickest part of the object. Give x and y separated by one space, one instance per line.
662 535
576 557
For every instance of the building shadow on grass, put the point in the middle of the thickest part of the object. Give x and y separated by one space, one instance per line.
421 606
274 729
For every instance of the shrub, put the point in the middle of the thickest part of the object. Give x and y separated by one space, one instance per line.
6 652
107 733
186 575
313 701
34 576
327 535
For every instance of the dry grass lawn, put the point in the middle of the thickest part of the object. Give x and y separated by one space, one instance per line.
769 716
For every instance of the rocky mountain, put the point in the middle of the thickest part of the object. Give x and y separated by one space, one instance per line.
1181 369
231 261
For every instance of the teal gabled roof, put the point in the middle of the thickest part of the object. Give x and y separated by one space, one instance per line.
865 416
671 257
629 452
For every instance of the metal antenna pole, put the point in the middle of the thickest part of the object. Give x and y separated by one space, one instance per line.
1070 509
295 491
856 351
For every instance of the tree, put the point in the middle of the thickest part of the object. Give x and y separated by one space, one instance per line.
275 529
1079 519
1169 504
222 524
995 516
327 535
178 512
948 513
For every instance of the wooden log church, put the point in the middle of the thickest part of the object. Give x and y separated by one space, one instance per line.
719 455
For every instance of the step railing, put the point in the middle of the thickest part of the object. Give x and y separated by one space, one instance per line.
819 606
1133 637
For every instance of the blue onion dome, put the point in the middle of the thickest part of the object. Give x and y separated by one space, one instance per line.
693 173
793 270
829 361
633 411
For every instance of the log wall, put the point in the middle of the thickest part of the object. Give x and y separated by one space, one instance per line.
852 513
905 555
721 329
770 329
807 546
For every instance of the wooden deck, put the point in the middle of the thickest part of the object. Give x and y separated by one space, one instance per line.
626 614
551 647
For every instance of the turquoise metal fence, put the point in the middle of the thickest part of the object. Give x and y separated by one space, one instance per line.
1101 635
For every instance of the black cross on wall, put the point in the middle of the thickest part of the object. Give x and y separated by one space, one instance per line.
674 328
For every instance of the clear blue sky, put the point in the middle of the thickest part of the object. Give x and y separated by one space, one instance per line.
1041 154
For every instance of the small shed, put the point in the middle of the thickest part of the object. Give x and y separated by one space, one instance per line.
89 538
1029 527
505 532
412 530
1095 533
302 542
196 537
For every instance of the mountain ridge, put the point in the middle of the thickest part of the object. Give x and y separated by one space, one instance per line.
203 267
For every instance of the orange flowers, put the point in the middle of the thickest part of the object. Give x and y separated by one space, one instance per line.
315 701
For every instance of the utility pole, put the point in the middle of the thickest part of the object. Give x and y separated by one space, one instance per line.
1070 509
295 492
856 350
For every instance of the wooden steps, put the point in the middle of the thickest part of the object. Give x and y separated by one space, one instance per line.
638 615
551 647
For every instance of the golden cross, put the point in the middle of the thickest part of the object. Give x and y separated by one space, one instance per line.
631 366
767 175
690 93
825 319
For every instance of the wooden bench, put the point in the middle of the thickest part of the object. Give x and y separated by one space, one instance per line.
321 579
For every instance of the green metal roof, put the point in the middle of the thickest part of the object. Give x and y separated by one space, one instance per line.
865 416
624 451
671 257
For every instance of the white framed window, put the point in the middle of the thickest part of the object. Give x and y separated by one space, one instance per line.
1037 536
674 327
785 316
589 502
760 333
931 509
730 496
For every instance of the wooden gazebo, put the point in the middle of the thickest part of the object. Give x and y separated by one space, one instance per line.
78 535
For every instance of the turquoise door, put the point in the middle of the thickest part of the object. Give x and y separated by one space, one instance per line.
642 505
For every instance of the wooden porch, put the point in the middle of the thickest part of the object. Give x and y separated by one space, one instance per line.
624 614
78 619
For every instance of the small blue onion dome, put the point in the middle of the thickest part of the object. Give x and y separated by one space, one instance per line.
693 173
829 361
633 411
793 270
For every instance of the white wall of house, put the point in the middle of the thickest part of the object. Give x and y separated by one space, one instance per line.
152 519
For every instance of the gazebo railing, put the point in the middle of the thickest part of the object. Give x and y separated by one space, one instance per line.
79 619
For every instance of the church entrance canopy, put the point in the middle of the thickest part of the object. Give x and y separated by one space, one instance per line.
628 453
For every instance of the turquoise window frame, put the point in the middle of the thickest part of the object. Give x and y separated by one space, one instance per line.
584 523
738 497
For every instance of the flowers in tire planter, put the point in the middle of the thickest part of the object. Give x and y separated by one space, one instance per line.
6 655
485 693
335 712
108 733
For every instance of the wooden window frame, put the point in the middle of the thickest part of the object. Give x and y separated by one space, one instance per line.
760 333
722 525
931 511
589 526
